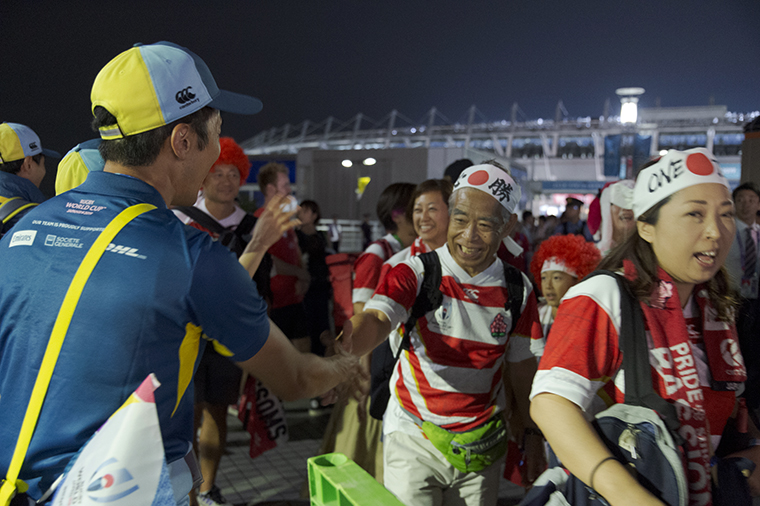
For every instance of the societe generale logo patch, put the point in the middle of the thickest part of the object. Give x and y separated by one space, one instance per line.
23 238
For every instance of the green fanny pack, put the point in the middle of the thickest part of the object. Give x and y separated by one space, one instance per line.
470 451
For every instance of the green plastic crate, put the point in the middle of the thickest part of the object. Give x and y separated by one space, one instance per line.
336 480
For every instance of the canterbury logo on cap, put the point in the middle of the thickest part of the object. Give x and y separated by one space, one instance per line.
185 95
32 145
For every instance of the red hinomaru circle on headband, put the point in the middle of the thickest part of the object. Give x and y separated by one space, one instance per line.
478 178
699 164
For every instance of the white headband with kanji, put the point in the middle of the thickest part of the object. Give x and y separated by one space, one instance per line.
493 181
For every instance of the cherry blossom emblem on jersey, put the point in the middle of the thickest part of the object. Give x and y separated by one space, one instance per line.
498 327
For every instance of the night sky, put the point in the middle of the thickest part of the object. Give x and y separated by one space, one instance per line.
317 58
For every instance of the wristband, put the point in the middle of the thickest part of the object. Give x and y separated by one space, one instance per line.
596 468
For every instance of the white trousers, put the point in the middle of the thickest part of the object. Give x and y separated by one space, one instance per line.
419 475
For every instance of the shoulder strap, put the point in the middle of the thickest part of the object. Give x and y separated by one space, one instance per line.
202 219
236 240
387 248
12 206
246 224
515 292
55 343
429 298
633 344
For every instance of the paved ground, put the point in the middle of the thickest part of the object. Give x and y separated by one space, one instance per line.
277 477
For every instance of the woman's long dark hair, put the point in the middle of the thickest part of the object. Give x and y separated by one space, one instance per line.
641 254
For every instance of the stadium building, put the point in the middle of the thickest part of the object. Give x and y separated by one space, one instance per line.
550 158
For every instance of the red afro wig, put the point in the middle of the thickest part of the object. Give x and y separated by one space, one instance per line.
572 250
232 154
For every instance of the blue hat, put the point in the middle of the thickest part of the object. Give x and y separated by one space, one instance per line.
147 87
78 162
19 141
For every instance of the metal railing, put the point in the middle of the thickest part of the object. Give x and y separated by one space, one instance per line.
352 239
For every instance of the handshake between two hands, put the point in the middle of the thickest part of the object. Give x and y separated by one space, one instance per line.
357 383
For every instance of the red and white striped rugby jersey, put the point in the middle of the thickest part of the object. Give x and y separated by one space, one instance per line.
582 361
367 267
417 248
451 376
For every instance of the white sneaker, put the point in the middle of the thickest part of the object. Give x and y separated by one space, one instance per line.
212 498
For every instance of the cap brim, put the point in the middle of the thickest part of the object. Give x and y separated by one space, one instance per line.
237 103
49 153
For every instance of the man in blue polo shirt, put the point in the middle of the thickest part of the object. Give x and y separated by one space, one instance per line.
22 168
159 292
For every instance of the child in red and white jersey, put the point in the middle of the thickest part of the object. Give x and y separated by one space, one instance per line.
560 262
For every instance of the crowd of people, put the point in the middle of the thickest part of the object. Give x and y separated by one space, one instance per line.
478 328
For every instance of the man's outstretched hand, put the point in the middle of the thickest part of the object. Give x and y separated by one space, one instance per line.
357 384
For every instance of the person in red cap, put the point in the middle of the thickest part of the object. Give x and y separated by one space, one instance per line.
560 263
217 379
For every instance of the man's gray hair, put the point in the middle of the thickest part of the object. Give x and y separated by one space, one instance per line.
503 213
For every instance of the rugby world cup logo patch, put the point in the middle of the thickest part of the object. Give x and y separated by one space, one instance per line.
445 310
111 482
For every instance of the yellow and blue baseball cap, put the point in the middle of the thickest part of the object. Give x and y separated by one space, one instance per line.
149 86
19 141
77 163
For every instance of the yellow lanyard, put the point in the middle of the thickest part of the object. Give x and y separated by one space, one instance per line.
61 326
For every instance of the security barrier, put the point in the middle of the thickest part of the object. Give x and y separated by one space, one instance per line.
336 480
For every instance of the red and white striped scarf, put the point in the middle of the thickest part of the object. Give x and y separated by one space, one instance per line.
678 379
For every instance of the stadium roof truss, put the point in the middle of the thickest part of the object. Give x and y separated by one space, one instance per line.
474 130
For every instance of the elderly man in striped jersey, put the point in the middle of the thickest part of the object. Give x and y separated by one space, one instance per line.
450 378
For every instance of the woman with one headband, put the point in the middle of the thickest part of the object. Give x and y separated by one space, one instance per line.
674 264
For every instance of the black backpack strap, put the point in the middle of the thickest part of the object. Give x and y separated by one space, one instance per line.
429 298
515 292
383 358
202 219
638 372
236 240
13 205
246 224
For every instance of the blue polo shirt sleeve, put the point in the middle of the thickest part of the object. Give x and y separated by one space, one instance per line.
226 302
